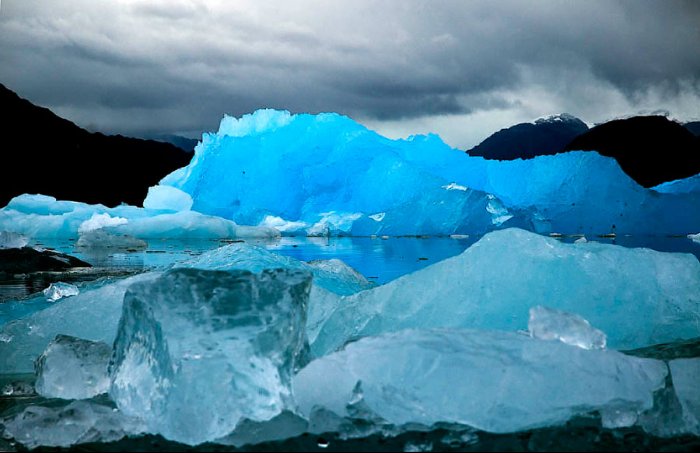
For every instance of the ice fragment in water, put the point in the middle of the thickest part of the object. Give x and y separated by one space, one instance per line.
10 240
197 351
59 290
64 426
550 324
493 381
102 239
72 368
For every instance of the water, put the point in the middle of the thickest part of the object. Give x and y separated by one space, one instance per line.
380 260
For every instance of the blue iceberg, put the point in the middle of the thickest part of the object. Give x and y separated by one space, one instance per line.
326 174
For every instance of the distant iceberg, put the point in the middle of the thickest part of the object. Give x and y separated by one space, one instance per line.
327 174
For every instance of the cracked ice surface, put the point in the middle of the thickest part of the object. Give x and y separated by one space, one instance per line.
494 381
637 296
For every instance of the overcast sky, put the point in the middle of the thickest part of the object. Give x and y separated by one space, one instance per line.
461 69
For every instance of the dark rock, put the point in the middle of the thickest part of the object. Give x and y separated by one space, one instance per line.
27 259
52 156
650 149
527 140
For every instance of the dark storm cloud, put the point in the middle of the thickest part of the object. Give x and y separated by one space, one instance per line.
167 66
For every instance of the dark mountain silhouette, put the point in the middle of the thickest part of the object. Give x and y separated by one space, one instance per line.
184 143
694 127
650 149
527 140
43 153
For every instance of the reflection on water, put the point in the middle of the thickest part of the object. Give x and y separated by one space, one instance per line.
380 260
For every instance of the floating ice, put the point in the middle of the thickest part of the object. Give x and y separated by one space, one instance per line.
637 296
167 198
494 381
40 216
102 239
72 368
197 351
76 423
59 290
549 324
695 237
93 315
273 165
9 240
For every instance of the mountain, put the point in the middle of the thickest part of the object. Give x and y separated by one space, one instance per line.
47 154
650 149
694 127
527 140
184 143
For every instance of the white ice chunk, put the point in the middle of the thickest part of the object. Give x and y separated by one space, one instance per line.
98 221
167 198
72 368
10 240
494 381
59 290
197 351
694 237
549 324
78 422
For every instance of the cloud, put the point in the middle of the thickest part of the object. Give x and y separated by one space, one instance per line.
136 66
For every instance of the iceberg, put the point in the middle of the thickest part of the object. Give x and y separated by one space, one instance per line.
40 216
59 290
493 381
102 239
637 296
197 351
274 168
72 368
75 423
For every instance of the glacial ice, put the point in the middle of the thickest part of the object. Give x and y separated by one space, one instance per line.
73 368
40 216
637 296
9 240
167 198
274 168
59 290
197 351
549 324
63 426
498 381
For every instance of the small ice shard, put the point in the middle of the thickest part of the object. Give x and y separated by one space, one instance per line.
198 351
102 239
695 237
378 217
686 382
549 324
581 240
455 186
78 422
10 240
59 290
98 221
493 381
73 368
167 198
